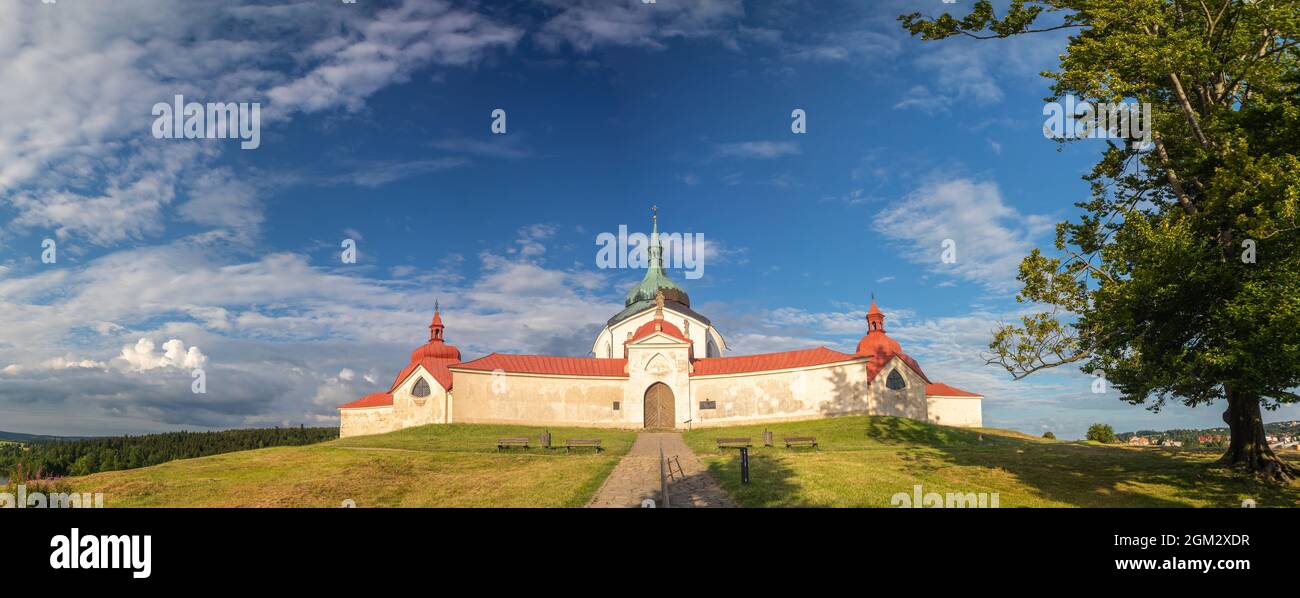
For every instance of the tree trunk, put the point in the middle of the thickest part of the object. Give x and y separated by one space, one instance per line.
1248 448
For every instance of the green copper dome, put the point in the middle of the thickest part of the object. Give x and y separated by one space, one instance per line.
655 279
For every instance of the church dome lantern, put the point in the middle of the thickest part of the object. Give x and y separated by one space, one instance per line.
879 346
436 348
656 280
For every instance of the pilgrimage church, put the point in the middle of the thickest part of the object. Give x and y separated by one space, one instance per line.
659 364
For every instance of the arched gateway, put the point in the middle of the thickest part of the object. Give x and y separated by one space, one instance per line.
659 407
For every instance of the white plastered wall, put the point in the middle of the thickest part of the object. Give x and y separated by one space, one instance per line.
610 342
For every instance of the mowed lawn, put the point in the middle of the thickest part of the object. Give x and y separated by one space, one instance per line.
453 465
864 461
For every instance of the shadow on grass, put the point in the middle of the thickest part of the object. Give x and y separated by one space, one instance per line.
1084 475
772 481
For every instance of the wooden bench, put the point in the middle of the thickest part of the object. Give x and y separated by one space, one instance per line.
505 443
734 443
583 442
809 441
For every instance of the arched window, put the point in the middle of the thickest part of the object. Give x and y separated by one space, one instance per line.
895 381
421 388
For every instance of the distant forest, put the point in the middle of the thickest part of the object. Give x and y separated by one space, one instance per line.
92 455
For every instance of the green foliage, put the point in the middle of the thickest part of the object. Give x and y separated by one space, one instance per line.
1102 433
92 455
1048 435
1148 283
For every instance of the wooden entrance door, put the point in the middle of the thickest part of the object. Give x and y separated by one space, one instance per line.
659 407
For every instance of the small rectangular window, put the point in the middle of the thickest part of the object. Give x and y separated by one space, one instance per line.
708 405
616 405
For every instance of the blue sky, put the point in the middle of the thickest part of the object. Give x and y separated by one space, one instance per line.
375 127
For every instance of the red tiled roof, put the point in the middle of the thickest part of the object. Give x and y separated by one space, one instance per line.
548 364
435 366
436 349
376 399
434 356
939 389
882 349
648 329
768 361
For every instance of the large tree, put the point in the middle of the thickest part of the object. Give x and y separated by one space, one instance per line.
1180 278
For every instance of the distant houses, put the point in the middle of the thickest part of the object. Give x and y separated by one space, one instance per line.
1153 441
1178 438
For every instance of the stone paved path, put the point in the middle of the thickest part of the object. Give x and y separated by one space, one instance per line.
636 477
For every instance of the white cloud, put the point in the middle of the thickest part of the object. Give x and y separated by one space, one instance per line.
387 49
531 240
378 174
497 146
218 198
746 343
76 152
716 252
274 331
67 361
763 150
858 45
856 197
969 72
990 236
130 206
140 357
923 99
588 24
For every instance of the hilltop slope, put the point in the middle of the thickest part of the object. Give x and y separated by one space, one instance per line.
865 461
862 462
430 466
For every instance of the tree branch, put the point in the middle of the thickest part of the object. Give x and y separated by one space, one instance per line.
1000 36
1172 176
1188 111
